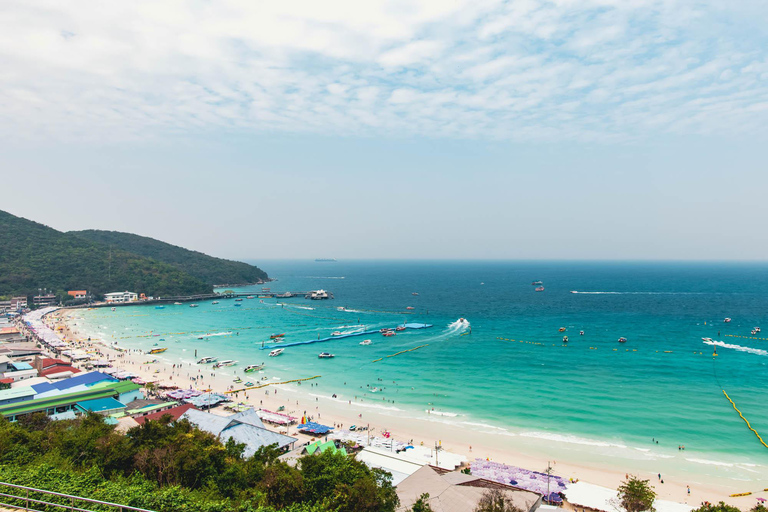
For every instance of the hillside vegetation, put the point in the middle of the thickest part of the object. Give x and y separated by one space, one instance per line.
34 256
209 269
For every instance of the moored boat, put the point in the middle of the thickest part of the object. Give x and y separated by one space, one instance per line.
215 302
276 352
400 328
158 350
206 360
562 329
238 300
388 333
325 355
565 339
365 342
410 307
193 305
537 283
225 362
177 303
253 368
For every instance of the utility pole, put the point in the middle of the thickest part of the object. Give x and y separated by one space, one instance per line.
549 472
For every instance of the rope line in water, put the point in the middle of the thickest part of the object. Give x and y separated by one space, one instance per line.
401 352
745 420
231 391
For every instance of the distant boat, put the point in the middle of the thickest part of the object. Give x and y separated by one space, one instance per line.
215 302
415 294
177 303
325 355
365 342
537 283
622 340
325 260
539 289
276 352
250 297
159 307
410 307
727 320
193 305
275 336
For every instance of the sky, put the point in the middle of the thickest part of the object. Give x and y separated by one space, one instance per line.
448 129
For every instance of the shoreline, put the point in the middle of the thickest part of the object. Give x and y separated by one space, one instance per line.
462 439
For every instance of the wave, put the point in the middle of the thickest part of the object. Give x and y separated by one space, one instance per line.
710 462
206 335
571 439
322 277
440 413
356 403
749 350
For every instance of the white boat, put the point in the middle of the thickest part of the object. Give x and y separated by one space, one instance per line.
177 303
206 360
318 295
336 333
276 352
365 342
225 362
325 355
114 309
341 308
253 368
706 339
215 302
193 305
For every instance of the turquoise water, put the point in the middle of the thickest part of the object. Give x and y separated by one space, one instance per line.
593 393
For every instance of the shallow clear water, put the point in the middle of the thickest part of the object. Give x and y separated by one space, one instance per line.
592 393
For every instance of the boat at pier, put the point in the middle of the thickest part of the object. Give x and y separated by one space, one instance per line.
276 352
318 295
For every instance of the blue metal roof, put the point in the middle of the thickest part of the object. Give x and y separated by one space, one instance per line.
22 366
100 404
78 380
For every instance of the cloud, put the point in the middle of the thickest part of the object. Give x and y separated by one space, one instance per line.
514 70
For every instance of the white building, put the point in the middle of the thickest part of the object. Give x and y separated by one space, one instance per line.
121 297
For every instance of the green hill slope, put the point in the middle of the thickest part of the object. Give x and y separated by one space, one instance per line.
34 256
206 268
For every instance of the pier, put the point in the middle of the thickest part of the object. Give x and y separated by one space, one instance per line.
341 337
208 296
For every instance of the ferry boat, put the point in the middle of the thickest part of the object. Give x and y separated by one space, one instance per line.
318 295
537 283
622 340
158 350
727 320
253 368
400 328
325 355
275 336
539 289
388 333
276 352
225 362
365 342
206 360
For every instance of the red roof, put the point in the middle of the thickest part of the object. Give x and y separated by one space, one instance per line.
77 292
176 412
48 362
58 369
6 381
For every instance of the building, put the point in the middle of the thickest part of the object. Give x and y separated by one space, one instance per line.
44 300
244 427
18 303
15 370
119 297
174 412
78 294
453 491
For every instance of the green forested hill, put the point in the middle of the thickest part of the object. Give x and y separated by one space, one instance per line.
34 256
207 268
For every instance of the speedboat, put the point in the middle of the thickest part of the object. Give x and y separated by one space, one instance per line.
539 289
365 342
581 333
410 307
238 300
388 333
215 302
537 283
193 305
206 360
253 368
276 352
248 384
325 355
754 332
337 333
275 336
238 305
706 339
237 380
727 320
622 340
562 329
415 294
225 362
386 329
757 329
341 308
565 339
177 303
400 328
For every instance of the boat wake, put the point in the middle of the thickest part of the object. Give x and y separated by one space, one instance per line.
322 277
460 325
749 350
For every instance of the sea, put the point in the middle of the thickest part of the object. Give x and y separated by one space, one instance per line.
505 369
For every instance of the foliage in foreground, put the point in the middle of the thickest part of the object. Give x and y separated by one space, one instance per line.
494 500
172 466
636 495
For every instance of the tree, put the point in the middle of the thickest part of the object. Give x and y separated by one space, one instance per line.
720 507
422 504
636 495
759 508
494 500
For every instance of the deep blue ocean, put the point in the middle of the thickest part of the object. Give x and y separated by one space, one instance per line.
513 370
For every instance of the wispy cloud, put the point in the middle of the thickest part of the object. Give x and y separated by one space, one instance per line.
519 70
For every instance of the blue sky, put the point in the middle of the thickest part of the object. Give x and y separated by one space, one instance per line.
438 129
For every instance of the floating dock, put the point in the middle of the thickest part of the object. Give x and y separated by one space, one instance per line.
341 337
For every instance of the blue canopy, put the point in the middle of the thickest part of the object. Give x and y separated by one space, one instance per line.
315 428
